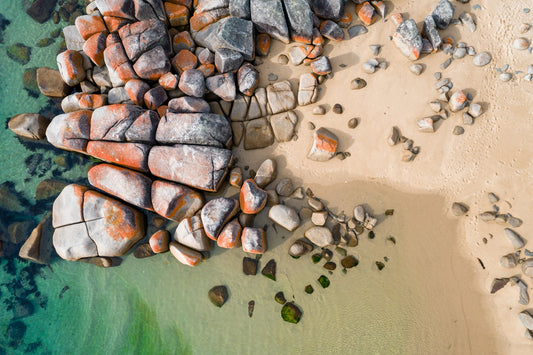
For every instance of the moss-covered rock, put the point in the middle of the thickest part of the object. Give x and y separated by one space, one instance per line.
280 298
380 265
19 53
291 313
323 281
45 42
29 81
316 258
270 270
309 289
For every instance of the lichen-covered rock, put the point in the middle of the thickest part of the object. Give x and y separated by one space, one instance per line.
268 17
185 255
254 240
174 201
111 122
300 20
247 79
159 241
83 101
324 145
139 37
201 167
431 32
192 83
252 198
130 155
143 128
230 235
194 128
190 233
223 86
216 213
70 131
408 40
152 64
70 65
187 104
328 9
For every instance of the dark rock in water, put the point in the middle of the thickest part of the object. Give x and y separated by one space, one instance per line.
291 313
249 266
268 17
323 281
19 53
309 289
349 262
22 308
389 212
49 188
41 10
498 284
371 235
270 270
45 42
251 306
380 265
280 298
15 331
29 81
19 231
218 295
143 251
330 265
328 9
316 258
327 254
3 24
443 14
100 261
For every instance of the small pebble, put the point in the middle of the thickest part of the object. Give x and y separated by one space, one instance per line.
376 48
526 10
528 77
476 7
272 77
337 108
319 110
506 76
458 130
482 59
459 53
493 198
357 30
352 123
521 44
475 110
436 106
283 59
505 67
446 63
530 69
416 69
383 65
437 75
357 83
467 119
525 27
311 125
369 68
471 50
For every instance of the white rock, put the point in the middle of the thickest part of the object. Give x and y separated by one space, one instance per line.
320 236
516 240
285 216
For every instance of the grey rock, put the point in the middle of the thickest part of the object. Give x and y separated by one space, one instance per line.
357 30
319 110
321 66
307 90
152 64
222 85
425 125
446 63
194 128
459 208
357 84
508 261
297 55
527 319
216 213
284 187
73 39
431 32
328 9
482 59
514 222
505 77
467 119
416 69
527 267
459 53
266 173
268 17
458 130
283 125
457 101
443 14
523 295
300 247
187 104
285 216
468 21
149 9
192 83
331 30
230 32
516 240
375 48
239 108
272 77
475 110
190 232
240 9
247 79
139 37
319 236
280 97
300 20
258 134
359 213
408 40
227 60
394 136
521 43
498 284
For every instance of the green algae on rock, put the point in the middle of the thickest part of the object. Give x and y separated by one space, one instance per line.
323 281
19 53
291 313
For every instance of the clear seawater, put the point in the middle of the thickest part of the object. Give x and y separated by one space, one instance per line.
158 306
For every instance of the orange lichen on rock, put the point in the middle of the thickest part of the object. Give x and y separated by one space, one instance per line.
184 60
230 235
262 46
94 48
178 15
130 155
88 25
366 13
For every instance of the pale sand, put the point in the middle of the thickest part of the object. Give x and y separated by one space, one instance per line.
494 154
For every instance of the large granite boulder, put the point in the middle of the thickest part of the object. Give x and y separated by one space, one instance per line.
130 155
139 37
111 122
149 9
408 40
152 64
51 84
128 185
70 131
117 8
202 167
89 224
300 20
174 201
216 213
190 232
194 128
70 65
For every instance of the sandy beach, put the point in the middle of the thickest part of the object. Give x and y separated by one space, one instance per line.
433 295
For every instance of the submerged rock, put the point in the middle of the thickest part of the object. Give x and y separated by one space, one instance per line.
218 295
291 313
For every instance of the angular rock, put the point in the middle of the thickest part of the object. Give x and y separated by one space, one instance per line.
201 167
431 32
283 125
41 10
82 101
247 79
457 101
252 198
366 13
130 186
29 125
328 9
300 20
192 83
254 240
143 128
240 9
227 60
190 233
324 145
94 48
194 128
516 240
459 209
159 241
280 97
357 30
152 64
249 266
321 66
270 270
268 17
527 319
308 89
218 295
187 104
443 14
139 37
155 97
131 155
70 65
174 201
184 60
178 15
300 247
230 235
185 255
216 213
223 86
70 131
149 9
319 236
408 40
34 248
291 313
258 134
527 267
116 8
468 21
73 39
111 122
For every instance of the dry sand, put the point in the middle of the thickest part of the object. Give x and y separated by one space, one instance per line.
494 154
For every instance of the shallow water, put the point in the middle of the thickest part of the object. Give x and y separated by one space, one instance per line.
157 305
